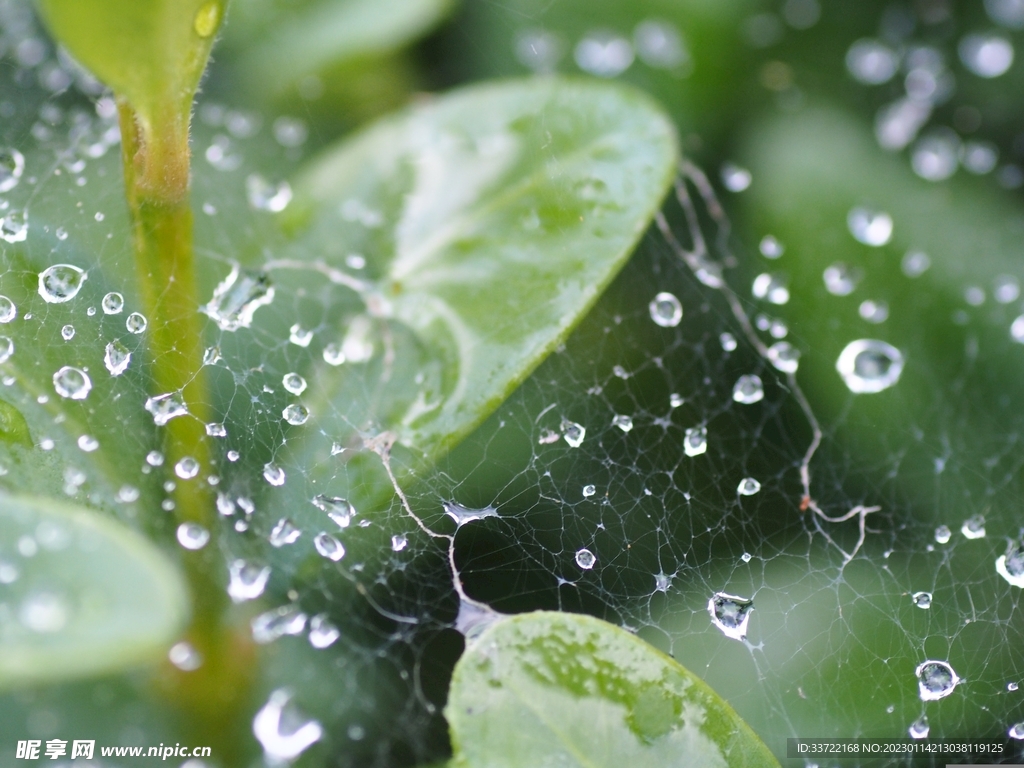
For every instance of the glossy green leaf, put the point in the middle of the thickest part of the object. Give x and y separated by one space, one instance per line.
13 427
570 690
85 594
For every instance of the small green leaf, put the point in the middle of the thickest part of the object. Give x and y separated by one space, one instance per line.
563 689
13 427
85 596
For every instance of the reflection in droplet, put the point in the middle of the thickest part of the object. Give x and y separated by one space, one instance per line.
186 468
666 310
136 323
462 515
1016 731
246 581
294 383
748 389
399 541
7 310
6 348
869 365
625 423
869 226
573 433
61 283
695 441
585 559
730 614
295 414
14 226
281 731
72 383
935 680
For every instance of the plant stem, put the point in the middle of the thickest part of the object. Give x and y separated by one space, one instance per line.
156 169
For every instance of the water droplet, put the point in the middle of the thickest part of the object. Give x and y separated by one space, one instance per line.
922 599
88 443
237 298
357 346
14 227
936 156
283 533
730 614
273 474
207 18
1011 565
604 54
1006 289
588 491
333 354
294 383
935 680
290 131
322 632
625 423
874 311
869 365
1011 686
919 729
675 400
339 510
264 196
192 536
974 527
185 657
659 45
246 581
329 547
135 323
7 310
748 389
166 407
283 733
295 414
585 559
44 612
399 542
746 557
869 226
462 515
61 283
770 247
666 310
72 383
6 348
112 304
212 355
216 429
735 178
840 280
116 358
943 534
748 487
728 342
573 433
300 336
286 620
986 55
154 458
771 288
784 357
12 165
67 332
695 441
1016 731
186 468
915 263
871 63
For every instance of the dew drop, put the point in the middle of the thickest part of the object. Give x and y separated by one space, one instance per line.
666 310
1011 686
246 581
72 383
869 365
986 55
14 227
1016 731
192 536
284 532
748 487
237 298
935 680
212 355
728 342
943 534
280 741
7 310
771 288
6 348
573 433
604 54
67 332
748 389
784 356
936 156
357 346
1006 289
675 400
216 429
265 196
290 131
770 247
339 510
333 354
273 474
869 226
695 441
329 547
186 468
136 323
874 311
871 63
662 582
295 414
588 491
974 527
322 632
1011 565
585 559
299 336
840 280
919 729
922 599
154 458
625 423
166 407
112 304
462 515
399 541
730 614
659 45
915 263
269 626
735 178
12 165
44 612
61 283
185 657
88 443
294 383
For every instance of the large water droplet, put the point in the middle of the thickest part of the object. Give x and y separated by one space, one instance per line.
922 599
329 547
986 55
284 532
273 474
61 283
7 310
264 196
869 365
112 304
237 298
730 614
339 510
869 226
72 383
935 680
748 389
585 559
12 165
192 536
322 632
784 356
295 414
283 733
748 487
294 383
666 310
1011 565
286 620
462 515
166 407
695 441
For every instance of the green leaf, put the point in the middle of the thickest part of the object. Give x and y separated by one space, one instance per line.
13 427
152 53
87 595
563 689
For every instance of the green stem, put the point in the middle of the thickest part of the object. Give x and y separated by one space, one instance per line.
156 166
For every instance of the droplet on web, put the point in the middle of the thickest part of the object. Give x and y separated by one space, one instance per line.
625 423
136 323
265 196
666 310
869 365
166 407
72 383
14 226
7 310
61 283
357 346
88 443
771 288
874 311
935 680
675 400
728 342
770 247
986 55
282 731
338 509
943 534
974 527
273 474
295 414
186 468
588 491
322 632
573 433
246 581
67 332
919 729
212 355
695 441
922 599
299 336
286 620
840 280
12 165
734 178
192 536
784 357
585 559
328 546
1016 731
116 358
216 429
462 515
730 614
155 459
185 657
1011 565
294 383
237 298
112 304
748 487
283 533
869 226
748 389
399 541
6 348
